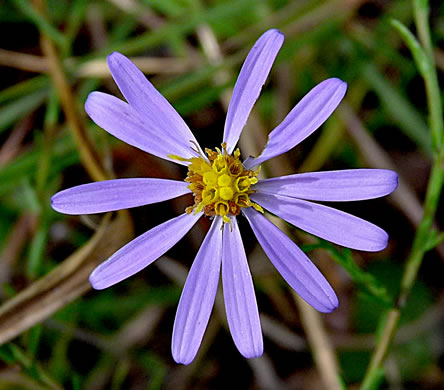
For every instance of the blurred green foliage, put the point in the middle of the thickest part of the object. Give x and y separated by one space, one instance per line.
100 340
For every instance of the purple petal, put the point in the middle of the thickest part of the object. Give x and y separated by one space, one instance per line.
325 222
310 113
336 186
124 122
240 300
294 266
146 100
142 251
248 86
197 298
116 194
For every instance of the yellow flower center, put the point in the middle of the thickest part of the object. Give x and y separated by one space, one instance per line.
220 184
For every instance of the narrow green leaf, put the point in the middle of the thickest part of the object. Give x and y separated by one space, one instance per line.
28 196
121 372
183 26
169 8
184 85
420 57
24 88
76 382
45 140
373 380
399 108
155 366
75 19
421 12
434 240
365 281
12 353
19 108
28 10
34 336
201 99
25 166
37 249
424 4
6 354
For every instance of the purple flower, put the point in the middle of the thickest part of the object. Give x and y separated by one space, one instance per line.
223 187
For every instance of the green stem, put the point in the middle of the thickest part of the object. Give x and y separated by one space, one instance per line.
421 242
419 246
421 14
382 348
413 263
435 108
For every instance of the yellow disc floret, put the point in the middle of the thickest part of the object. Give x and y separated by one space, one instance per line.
220 184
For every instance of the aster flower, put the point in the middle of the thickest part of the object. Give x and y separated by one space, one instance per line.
223 188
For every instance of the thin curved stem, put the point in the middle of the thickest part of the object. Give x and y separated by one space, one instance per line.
421 242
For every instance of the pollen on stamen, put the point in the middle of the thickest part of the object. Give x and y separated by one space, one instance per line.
220 184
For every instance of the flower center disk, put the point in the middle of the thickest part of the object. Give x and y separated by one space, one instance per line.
220 184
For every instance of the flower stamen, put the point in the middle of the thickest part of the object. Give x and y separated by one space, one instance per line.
220 184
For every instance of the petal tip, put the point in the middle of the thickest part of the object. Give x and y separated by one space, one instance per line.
182 358
336 83
328 305
59 203
384 241
253 353
395 181
115 55
336 80
54 205
117 62
334 304
96 281
276 32
378 242
342 85
90 101
381 244
184 362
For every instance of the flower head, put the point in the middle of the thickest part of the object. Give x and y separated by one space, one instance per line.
225 187
220 184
